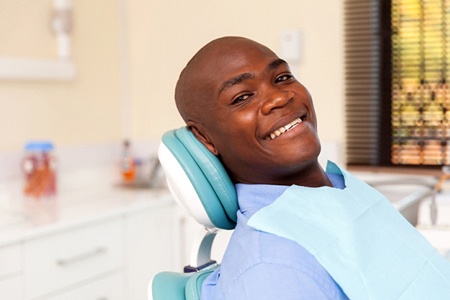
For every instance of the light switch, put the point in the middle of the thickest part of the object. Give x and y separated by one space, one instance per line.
290 45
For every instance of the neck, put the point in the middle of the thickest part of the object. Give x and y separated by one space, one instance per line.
313 176
310 176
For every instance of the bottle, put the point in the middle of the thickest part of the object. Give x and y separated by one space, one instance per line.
128 163
39 169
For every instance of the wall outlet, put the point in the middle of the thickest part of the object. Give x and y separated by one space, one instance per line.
290 45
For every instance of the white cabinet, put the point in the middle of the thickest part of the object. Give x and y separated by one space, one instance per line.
11 288
11 280
57 262
112 257
10 262
109 288
109 255
150 246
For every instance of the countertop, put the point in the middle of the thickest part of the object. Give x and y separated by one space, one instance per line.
82 197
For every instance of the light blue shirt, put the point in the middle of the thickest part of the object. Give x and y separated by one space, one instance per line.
259 265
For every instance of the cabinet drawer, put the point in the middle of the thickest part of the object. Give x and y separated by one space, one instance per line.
11 288
109 288
57 261
10 260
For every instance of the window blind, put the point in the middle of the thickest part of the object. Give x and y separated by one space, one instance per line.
363 80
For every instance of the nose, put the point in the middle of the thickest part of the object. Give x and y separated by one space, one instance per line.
276 98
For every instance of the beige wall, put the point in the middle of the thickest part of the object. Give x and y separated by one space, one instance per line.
85 110
165 34
133 95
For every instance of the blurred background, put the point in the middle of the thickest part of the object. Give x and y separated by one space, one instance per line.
127 56
85 76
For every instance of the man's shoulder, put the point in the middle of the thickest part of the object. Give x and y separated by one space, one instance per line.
249 247
257 262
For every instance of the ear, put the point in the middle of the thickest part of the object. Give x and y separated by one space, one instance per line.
202 137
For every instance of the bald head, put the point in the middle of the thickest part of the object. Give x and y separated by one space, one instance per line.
195 87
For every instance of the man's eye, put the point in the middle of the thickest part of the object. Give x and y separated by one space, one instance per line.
241 98
284 77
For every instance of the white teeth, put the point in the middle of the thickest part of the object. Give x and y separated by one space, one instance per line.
283 129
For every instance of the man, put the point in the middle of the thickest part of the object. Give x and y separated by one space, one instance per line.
301 233
242 102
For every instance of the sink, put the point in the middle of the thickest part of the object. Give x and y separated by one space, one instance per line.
405 192
439 238
405 197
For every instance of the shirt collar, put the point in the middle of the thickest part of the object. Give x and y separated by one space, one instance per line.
253 197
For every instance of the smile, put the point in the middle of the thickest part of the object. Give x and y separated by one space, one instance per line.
283 129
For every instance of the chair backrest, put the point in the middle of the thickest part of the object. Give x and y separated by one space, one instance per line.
197 180
200 184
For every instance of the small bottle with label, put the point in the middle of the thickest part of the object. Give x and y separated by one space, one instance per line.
39 169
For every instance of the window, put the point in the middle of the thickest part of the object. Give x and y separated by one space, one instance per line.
397 97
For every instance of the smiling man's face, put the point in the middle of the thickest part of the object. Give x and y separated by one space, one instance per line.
251 112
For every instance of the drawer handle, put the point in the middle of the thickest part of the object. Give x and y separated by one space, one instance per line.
82 256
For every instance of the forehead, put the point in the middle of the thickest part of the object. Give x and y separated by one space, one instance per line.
238 59
226 59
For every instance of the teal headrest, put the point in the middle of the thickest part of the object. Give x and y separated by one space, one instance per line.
198 180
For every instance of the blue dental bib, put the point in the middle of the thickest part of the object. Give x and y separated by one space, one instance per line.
363 242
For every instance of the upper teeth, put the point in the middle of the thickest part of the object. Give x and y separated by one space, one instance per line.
283 129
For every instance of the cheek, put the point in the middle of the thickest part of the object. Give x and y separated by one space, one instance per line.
236 131
246 117
230 140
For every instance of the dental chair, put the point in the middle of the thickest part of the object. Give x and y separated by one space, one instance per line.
199 183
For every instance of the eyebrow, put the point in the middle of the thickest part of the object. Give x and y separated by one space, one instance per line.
276 63
235 80
245 76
